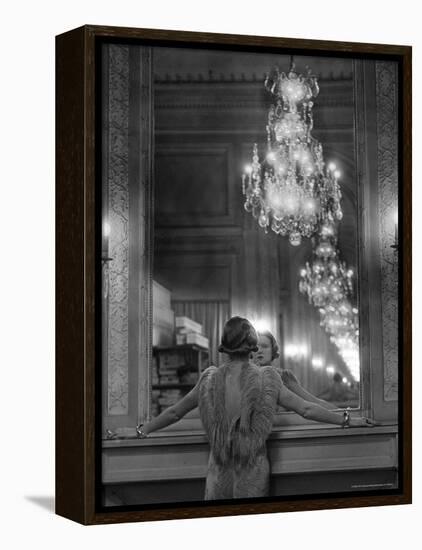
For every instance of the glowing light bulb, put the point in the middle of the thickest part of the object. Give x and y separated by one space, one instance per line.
330 369
337 174
291 205
309 206
271 157
303 350
317 362
106 229
261 325
332 167
274 199
327 229
248 169
290 350
344 380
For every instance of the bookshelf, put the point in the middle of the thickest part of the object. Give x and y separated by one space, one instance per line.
176 370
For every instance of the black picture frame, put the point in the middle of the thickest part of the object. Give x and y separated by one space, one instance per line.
78 417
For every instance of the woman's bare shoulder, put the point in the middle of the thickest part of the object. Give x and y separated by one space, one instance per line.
208 372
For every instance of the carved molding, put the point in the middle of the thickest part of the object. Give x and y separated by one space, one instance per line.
118 212
386 87
211 78
238 95
329 103
146 232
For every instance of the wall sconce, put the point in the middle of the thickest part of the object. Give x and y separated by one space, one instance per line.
395 246
105 259
106 229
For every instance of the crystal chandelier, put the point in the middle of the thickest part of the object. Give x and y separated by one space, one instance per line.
328 284
292 190
327 279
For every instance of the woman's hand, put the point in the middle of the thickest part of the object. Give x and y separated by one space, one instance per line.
289 379
141 431
361 422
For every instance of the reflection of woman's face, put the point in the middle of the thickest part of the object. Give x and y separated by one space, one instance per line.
264 354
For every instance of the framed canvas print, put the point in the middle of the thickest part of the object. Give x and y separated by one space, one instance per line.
233 275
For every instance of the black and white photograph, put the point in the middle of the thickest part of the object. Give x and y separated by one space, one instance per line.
210 275
250 275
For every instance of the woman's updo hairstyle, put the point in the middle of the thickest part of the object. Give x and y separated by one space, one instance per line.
275 350
239 336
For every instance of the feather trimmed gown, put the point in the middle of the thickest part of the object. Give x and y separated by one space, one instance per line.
238 465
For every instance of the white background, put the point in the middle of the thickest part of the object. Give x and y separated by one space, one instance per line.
27 271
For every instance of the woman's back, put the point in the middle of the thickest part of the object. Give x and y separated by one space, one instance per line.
237 404
233 393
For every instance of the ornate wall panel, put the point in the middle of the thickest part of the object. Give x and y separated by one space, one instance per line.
386 86
118 212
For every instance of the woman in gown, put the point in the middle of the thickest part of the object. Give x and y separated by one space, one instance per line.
268 351
237 405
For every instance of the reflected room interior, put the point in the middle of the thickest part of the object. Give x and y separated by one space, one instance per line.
212 258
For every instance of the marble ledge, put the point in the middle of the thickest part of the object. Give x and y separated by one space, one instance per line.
197 437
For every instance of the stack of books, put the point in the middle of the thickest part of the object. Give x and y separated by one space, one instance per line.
155 377
190 332
168 375
170 363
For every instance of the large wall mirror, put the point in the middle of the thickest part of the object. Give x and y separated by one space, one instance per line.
210 254
185 246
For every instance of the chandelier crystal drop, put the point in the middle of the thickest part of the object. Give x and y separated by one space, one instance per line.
291 191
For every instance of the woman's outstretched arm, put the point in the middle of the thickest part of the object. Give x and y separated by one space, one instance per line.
312 411
173 413
293 384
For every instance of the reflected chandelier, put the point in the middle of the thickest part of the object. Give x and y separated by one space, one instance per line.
291 190
326 279
328 284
